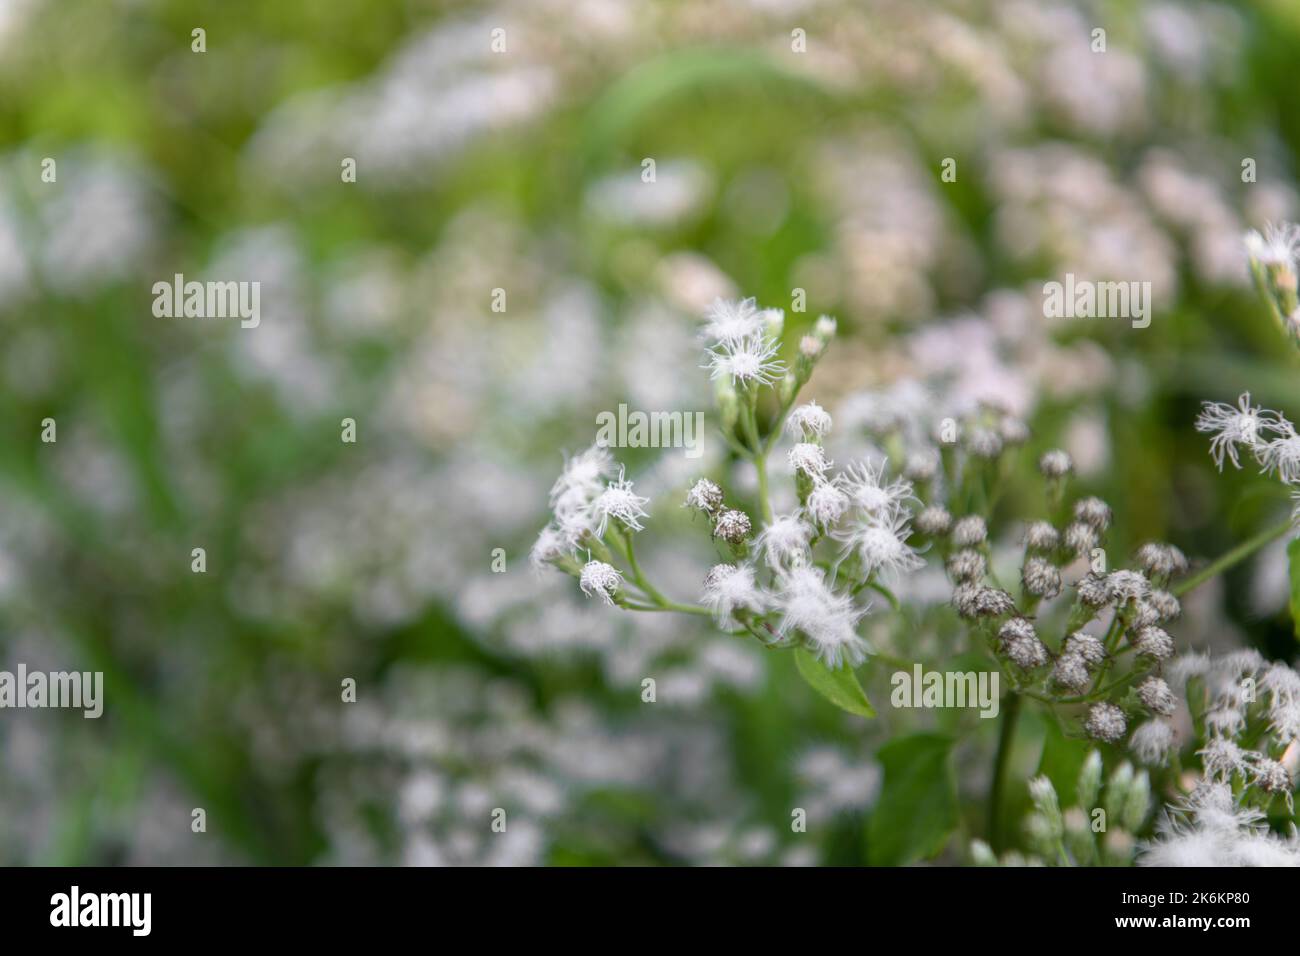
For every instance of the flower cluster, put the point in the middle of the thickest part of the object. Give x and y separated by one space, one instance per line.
792 578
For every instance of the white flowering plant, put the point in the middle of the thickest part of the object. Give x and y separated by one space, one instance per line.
1082 643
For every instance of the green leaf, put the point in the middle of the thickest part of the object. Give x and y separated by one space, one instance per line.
839 686
1061 761
1293 564
917 809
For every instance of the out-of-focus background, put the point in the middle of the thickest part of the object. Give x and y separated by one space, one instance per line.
798 144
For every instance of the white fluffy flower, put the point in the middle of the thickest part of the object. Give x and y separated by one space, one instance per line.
881 545
599 578
551 545
1283 687
866 486
827 503
1222 758
1276 246
751 359
1281 455
1151 742
785 541
827 618
1233 426
728 587
582 478
729 322
1211 829
618 500
810 420
1127 586
704 495
809 459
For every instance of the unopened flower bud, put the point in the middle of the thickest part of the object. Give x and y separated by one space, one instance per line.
1040 578
704 495
1093 512
1042 538
969 531
732 526
1105 722
967 565
934 521
1156 696
1055 464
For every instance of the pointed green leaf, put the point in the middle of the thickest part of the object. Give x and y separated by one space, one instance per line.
839 686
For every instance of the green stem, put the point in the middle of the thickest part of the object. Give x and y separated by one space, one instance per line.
1006 736
757 454
760 463
1238 554
623 541
669 606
